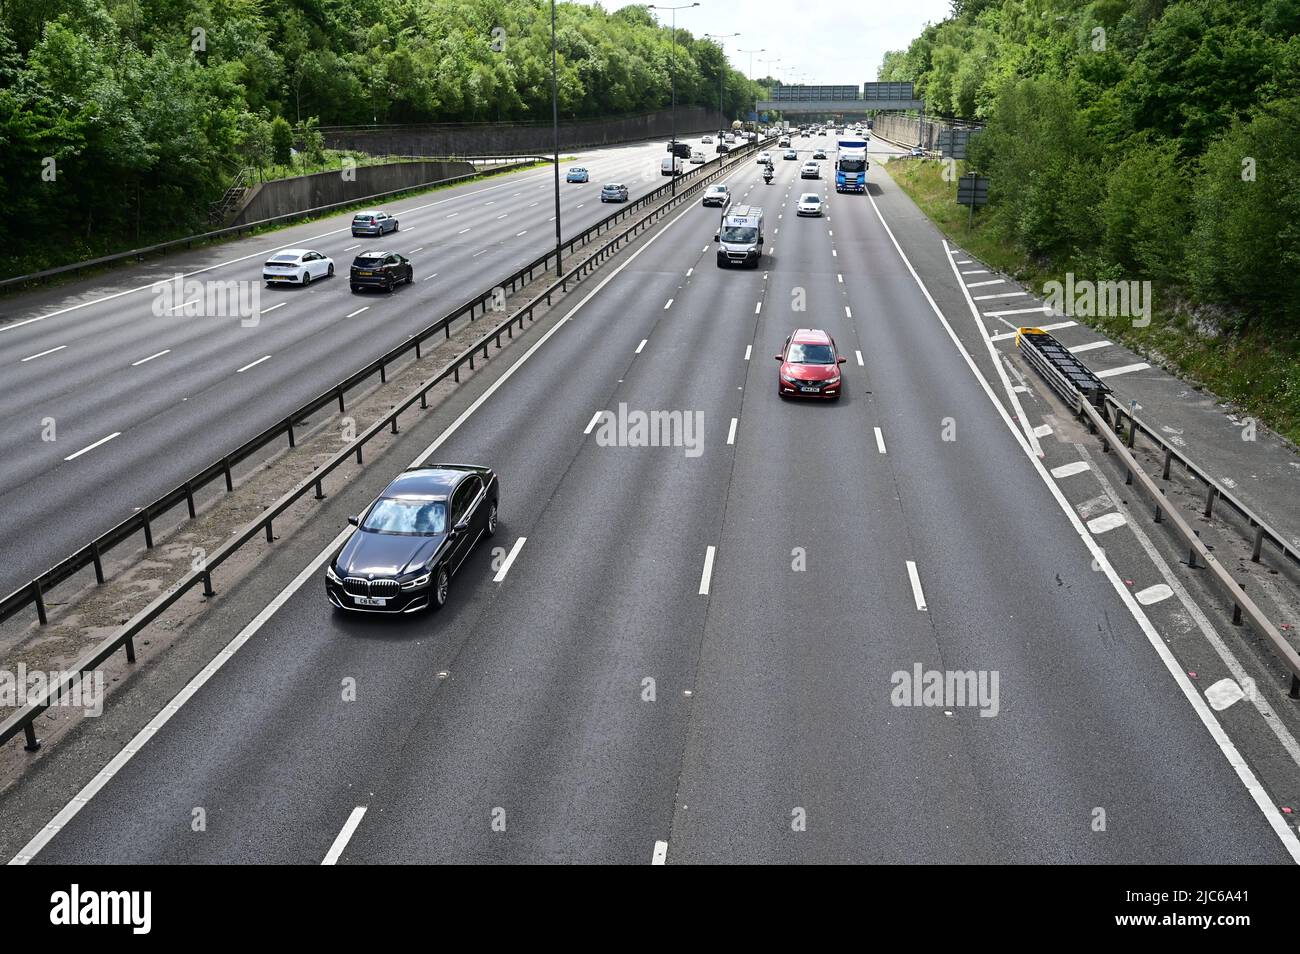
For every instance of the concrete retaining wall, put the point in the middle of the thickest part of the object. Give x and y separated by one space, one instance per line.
284 196
496 139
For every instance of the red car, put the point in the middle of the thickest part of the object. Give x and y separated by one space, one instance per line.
810 365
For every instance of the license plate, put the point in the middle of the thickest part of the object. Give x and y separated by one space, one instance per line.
370 600
803 388
364 274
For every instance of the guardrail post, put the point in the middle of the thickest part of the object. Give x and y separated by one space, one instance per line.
32 743
341 407
270 537
40 602
417 349
289 426
148 530
1169 459
1132 423
1209 500
394 423
1191 554
1236 608
207 584
1259 544
320 490
225 467
189 499
99 564
1295 687
383 376
130 649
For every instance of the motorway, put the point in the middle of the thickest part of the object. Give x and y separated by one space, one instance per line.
118 381
692 658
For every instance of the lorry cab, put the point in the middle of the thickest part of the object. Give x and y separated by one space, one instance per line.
740 236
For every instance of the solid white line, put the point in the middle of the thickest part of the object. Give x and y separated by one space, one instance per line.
33 357
988 342
265 357
510 560
915 578
660 853
102 440
859 357
1090 346
344 836
880 440
595 419
999 295
731 433
79 801
749 349
668 305
707 572
360 310
1069 470
1126 369
641 345
136 364
273 308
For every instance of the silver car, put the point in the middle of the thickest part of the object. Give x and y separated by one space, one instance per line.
373 223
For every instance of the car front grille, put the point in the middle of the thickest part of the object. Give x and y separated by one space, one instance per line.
356 586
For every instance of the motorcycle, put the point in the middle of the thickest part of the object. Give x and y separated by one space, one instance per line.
767 177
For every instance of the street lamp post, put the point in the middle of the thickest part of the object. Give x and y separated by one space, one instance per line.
672 182
722 70
555 124
750 74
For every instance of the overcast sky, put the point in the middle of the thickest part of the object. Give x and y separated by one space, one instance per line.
817 41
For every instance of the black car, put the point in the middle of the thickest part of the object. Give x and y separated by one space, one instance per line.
384 270
412 540
723 147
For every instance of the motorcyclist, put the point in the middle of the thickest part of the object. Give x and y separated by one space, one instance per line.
767 172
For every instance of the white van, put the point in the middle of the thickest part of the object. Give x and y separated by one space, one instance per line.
671 166
740 237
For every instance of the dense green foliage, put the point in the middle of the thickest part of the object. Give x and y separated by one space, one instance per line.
122 120
1138 139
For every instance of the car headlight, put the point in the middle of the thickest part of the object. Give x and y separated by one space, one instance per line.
417 582
788 379
330 574
831 382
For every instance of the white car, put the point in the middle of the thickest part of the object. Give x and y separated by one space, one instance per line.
810 170
707 140
297 266
810 203
764 157
697 158
717 195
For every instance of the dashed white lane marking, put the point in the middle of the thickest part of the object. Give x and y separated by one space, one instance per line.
660 853
1223 694
641 345
478 253
731 432
351 247
1054 326
361 309
462 231
182 305
136 364
858 354
668 304
518 234
689 271
453 215
834 254
880 440
915 579
749 349
1126 369
33 357
1107 521
1069 470
758 307
840 276
344 836
272 308
509 560
253 364
992 281
976 271
707 573
1011 294
1154 594
1039 310
1090 346
847 312
595 419
502 215
1042 430
966 261
91 447
420 249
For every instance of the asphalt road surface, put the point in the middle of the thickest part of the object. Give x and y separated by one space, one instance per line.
696 657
